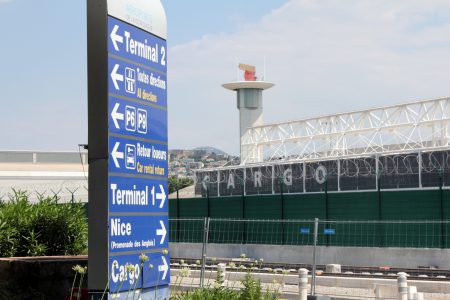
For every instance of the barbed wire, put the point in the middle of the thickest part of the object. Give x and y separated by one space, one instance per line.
396 171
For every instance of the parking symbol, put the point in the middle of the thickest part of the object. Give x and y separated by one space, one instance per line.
130 156
130 81
130 118
142 121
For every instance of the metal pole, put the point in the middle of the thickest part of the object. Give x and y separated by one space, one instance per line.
441 198
282 210
327 214
244 230
380 211
205 241
313 282
178 215
207 200
327 209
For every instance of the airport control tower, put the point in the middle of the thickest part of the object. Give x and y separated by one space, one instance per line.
249 103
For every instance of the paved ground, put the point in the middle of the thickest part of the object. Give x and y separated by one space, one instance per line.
290 291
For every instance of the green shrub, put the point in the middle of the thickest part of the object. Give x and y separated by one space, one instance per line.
220 293
44 228
252 290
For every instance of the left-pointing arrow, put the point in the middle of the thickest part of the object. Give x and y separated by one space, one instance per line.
162 232
115 38
116 155
116 116
116 77
163 268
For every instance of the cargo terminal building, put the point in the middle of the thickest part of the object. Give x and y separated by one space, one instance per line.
383 163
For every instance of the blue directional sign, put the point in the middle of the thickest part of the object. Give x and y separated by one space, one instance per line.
304 230
128 152
140 195
128 80
136 45
137 233
154 272
138 157
329 231
138 119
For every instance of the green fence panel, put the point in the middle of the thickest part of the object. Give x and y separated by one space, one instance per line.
352 206
173 209
190 231
354 234
412 205
299 233
446 204
263 208
173 214
395 205
226 208
174 229
302 207
446 216
193 207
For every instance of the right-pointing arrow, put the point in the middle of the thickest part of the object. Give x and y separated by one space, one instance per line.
116 116
163 268
162 232
115 38
161 196
116 155
116 77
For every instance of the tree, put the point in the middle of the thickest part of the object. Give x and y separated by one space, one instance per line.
179 183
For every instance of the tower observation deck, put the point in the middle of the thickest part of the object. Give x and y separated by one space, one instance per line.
250 104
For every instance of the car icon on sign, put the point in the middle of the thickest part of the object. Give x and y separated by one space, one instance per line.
130 153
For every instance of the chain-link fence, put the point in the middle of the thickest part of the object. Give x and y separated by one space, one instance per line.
66 191
280 247
411 234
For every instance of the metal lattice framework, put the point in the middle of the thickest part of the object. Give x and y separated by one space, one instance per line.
416 126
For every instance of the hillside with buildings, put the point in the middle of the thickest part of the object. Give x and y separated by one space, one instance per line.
183 163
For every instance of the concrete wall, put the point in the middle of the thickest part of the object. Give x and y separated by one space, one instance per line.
38 277
350 256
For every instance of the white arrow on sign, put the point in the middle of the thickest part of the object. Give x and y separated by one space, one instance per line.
116 115
164 267
161 196
116 154
162 232
115 38
116 77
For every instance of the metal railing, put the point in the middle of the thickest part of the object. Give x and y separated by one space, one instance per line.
411 234
311 233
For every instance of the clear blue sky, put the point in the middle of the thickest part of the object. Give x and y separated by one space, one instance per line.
338 55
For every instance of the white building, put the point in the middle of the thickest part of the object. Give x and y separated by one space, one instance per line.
44 174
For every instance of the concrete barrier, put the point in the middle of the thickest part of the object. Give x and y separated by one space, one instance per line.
333 268
358 256
43 277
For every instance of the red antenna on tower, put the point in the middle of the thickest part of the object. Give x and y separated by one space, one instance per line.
249 72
